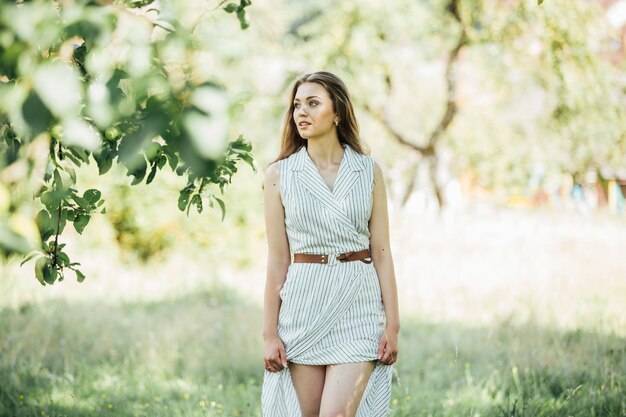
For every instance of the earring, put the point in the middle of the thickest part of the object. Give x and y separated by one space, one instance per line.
336 122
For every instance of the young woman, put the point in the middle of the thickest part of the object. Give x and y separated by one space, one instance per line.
331 313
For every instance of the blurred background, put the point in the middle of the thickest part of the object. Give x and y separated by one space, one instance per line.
501 130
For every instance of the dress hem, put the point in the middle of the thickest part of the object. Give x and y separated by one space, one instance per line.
324 363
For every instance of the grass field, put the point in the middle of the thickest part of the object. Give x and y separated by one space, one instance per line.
504 313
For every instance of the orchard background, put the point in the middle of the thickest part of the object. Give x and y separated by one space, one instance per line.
133 140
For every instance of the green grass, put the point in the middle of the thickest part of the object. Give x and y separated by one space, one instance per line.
507 314
195 355
200 355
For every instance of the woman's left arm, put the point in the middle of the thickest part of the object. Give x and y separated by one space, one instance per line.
383 263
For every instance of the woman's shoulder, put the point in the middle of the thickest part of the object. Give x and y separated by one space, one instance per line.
272 172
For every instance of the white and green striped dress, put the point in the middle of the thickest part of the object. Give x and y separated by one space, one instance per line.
330 313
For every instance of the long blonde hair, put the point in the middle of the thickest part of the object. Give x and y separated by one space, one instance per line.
348 127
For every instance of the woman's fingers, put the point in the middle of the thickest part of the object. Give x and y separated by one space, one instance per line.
275 357
387 353
390 356
273 365
277 361
271 368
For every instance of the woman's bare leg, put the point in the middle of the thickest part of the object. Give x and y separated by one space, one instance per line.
343 388
308 381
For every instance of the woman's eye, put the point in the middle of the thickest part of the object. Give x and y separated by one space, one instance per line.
311 103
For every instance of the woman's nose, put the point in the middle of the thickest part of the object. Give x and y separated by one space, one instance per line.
300 111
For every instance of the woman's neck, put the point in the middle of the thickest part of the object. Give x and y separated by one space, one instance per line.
325 152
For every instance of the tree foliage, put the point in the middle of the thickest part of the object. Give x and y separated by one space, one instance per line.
506 87
108 82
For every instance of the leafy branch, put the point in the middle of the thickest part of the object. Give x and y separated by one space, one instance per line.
90 103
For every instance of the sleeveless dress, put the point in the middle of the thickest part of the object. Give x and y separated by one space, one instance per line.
330 313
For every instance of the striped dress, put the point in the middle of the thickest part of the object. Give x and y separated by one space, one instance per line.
330 313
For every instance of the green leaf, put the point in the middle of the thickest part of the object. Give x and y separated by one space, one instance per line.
58 182
36 114
152 150
68 214
138 3
61 226
92 195
10 56
131 145
49 274
183 198
51 199
72 174
80 277
40 265
161 161
130 148
104 159
171 157
62 256
80 222
153 171
240 144
248 159
44 223
72 158
79 153
197 200
79 54
181 169
31 256
139 171
222 206
230 7
84 204
40 191
243 19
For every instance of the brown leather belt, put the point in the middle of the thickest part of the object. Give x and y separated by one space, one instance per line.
362 255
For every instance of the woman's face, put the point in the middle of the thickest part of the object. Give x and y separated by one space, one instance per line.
313 111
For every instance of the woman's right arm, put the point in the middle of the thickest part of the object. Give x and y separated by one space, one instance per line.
278 261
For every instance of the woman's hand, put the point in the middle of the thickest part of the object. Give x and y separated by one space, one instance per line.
275 358
388 347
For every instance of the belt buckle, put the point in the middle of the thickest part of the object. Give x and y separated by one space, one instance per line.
330 259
